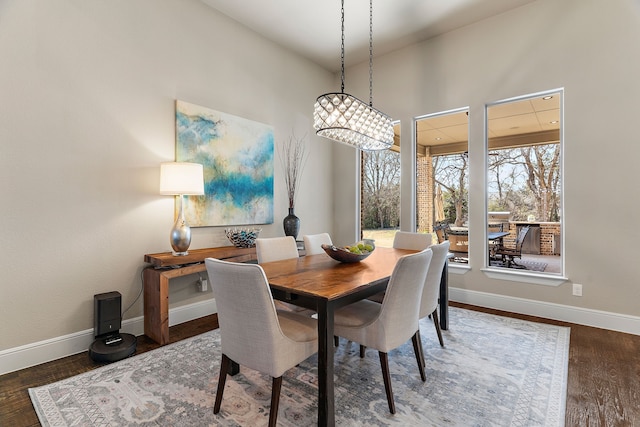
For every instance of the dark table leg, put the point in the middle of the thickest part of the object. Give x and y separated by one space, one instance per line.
326 411
444 297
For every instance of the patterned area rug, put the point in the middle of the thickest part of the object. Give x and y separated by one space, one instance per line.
493 370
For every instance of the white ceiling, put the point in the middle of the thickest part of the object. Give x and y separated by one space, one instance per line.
311 28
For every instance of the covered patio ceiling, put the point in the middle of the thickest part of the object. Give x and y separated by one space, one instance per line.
521 123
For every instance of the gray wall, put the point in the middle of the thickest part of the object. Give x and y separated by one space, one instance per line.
87 94
87 115
589 47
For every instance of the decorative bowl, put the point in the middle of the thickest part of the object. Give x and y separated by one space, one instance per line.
242 237
344 255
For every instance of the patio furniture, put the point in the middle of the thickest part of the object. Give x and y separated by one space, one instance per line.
459 243
508 255
441 229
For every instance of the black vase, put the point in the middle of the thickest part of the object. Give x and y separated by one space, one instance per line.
291 224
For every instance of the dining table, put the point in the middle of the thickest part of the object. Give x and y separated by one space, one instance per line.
497 235
495 241
320 283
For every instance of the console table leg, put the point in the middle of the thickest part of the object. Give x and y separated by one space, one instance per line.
156 306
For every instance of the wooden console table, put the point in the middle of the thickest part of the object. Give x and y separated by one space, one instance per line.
165 266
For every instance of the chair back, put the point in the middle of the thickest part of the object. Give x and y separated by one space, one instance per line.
408 240
441 229
250 332
431 290
522 234
313 243
401 305
276 248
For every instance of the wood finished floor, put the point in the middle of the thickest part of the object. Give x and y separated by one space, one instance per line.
603 379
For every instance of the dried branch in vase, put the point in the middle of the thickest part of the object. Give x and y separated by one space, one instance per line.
293 158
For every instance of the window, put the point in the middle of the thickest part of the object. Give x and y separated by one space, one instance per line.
380 193
524 183
442 179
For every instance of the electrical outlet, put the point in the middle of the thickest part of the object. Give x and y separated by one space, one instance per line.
202 284
577 289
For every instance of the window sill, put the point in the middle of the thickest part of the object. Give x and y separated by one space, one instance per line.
455 268
525 277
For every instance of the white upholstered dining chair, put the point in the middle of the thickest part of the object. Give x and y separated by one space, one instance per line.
252 332
276 248
313 243
270 249
402 240
431 290
390 324
408 240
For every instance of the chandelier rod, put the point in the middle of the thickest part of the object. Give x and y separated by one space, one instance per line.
371 53
342 48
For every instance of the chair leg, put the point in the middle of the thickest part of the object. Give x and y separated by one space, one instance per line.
384 363
417 349
420 349
362 349
437 323
225 365
275 401
336 340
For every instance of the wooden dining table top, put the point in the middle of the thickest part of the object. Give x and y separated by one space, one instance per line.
320 276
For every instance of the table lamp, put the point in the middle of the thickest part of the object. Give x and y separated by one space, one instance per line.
181 179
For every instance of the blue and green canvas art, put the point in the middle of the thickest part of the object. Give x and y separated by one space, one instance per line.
237 156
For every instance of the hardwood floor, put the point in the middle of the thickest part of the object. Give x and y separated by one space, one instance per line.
603 379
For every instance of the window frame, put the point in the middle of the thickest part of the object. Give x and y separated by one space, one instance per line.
501 273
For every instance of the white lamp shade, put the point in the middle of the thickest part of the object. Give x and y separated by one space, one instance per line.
181 178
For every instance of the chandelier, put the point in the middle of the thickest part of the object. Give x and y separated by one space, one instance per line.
345 118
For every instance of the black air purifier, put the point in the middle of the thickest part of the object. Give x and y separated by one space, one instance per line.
110 345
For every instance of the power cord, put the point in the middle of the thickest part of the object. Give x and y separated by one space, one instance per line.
139 293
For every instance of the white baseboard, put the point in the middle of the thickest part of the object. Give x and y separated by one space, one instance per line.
28 355
25 356
582 316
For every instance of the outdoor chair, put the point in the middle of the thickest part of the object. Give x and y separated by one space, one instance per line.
508 255
494 227
441 229
252 332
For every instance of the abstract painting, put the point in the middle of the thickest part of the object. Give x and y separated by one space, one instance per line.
237 155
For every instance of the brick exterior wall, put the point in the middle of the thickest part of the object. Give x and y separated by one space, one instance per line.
549 232
424 193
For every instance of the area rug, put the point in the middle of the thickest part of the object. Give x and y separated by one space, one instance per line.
528 265
493 371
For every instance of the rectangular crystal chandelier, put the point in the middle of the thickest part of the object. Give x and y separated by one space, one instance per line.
346 119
